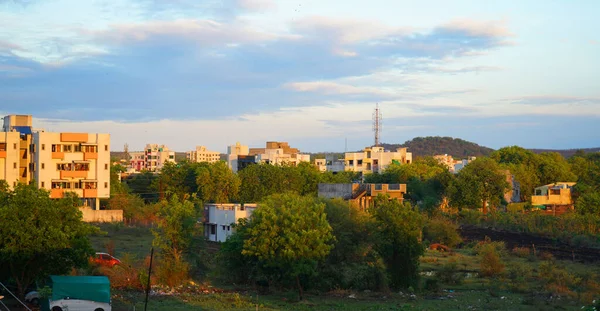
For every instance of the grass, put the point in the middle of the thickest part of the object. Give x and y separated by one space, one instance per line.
474 293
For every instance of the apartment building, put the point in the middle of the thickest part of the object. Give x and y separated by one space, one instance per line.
219 218
279 153
136 162
362 195
375 159
58 162
201 154
331 163
237 155
156 156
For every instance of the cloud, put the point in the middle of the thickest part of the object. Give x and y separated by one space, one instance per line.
545 100
476 69
329 87
476 28
257 5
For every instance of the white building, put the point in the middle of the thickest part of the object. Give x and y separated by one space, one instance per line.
459 165
201 154
233 153
156 156
219 218
375 159
330 164
279 153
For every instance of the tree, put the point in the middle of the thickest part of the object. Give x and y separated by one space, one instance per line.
480 183
217 183
40 236
552 167
291 233
116 187
398 229
144 184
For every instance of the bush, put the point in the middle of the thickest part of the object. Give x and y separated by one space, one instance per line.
558 281
471 217
172 270
449 273
523 252
518 274
491 263
499 247
126 275
432 285
516 207
440 230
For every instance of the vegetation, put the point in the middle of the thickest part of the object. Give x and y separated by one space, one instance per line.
430 146
39 236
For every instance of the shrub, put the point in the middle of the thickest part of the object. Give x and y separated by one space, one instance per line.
546 256
518 274
499 247
126 275
449 273
523 252
432 285
172 270
491 263
558 281
440 230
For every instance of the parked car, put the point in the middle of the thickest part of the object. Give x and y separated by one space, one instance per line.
71 293
33 297
105 259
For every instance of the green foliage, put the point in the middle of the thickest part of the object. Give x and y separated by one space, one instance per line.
290 233
430 146
558 281
352 262
398 229
491 264
116 187
233 265
478 184
217 183
450 274
144 185
177 226
442 230
134 208
588 203
40 236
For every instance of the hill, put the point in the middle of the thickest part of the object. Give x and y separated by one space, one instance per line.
430 146
567 153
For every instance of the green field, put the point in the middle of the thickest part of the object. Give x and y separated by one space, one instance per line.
474 293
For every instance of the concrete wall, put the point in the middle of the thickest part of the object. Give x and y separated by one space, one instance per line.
331 191
90 215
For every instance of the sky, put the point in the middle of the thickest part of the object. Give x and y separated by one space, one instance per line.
310 72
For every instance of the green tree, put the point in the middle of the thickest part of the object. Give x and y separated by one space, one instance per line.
588 203
40 236
398 230
552 167
480 183
217 183
291 233
116 187
144 184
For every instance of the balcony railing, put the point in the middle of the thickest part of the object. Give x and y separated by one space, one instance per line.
90 156
73 174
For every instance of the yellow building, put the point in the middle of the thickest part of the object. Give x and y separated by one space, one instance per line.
555 198
201 154
58 162
375 159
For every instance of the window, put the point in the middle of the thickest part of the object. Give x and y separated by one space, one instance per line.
105 185
77 148
105 147
228 228
56 148
105 166
213 229
378 187
67 148
394 187
2 146
43 184
359 162
43 146
14 146
15 165
555 191
351 162
77 185
223 228
43 166
82 167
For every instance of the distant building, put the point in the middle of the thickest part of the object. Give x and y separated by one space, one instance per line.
331 163
447 160
234 153
361 195
136 162
156 156
57 162
278 153
219 218
459 165
554 198
201 154
375 159
321 165
513 195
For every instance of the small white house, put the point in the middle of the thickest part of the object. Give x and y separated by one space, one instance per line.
219 218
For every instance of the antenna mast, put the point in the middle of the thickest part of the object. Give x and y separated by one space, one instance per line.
377 124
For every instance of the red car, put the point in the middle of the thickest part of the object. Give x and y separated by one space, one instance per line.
105 259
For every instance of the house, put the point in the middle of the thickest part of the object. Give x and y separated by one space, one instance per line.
57 161
156 156
375 159
238 157
219 218
555 198
361 195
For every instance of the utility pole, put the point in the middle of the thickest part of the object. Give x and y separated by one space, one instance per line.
377 124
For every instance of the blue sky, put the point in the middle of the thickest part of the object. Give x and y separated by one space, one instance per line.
188 72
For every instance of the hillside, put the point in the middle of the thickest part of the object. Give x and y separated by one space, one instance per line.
567 153
430 146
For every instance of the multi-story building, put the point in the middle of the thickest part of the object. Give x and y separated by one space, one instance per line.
156 156
201 154
58 162
331 163
460 164
279 153
136 162
362 195
375 159
554 198
219 218
236 154
447 160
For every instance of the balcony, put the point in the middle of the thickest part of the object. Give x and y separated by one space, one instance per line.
552 199
90 193
90 156
58 155
3 154
73 174
57 193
